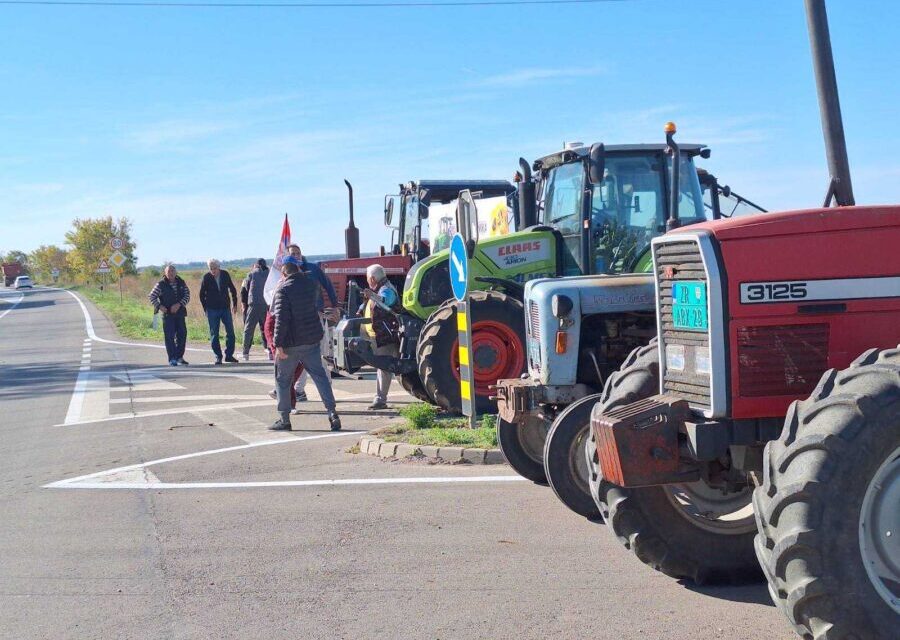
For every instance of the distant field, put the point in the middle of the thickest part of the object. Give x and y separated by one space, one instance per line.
133 316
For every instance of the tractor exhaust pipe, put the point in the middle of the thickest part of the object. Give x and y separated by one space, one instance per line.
527 206
351 233
840 189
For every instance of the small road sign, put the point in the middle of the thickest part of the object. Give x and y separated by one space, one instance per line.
103 267
118 258
54 273
459 267
116 243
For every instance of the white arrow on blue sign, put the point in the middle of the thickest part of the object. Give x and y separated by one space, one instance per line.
459 267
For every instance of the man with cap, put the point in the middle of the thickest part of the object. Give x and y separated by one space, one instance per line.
254 304
298 332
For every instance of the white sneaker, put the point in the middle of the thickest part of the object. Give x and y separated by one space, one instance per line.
273 394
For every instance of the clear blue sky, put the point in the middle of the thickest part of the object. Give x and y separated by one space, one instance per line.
204 126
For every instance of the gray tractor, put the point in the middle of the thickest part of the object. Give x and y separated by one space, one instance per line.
579 330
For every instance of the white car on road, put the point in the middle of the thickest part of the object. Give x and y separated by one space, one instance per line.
23 282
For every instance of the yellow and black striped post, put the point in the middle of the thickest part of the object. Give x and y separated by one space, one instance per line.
466 374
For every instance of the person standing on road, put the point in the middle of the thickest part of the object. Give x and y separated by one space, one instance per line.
219 300
382 302
298 332
170 296
315 271
254 305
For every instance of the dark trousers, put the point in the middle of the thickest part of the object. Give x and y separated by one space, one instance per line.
214 317
175 333
253 316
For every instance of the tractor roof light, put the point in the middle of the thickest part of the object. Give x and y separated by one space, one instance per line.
670 127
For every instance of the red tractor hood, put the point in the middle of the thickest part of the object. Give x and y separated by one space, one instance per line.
801 222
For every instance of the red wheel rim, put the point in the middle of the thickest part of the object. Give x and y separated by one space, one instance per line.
497 353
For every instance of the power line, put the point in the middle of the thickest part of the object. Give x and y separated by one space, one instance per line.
292 5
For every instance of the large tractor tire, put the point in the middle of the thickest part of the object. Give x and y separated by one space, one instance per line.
689 531
498 349
412 384
828 510
564 461
523 447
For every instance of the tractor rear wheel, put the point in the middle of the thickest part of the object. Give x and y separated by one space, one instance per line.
689 530
523 446
828 510
498 349
412 384
564 461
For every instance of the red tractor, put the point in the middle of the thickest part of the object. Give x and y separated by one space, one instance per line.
761 429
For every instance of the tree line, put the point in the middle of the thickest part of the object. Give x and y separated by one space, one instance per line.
86 244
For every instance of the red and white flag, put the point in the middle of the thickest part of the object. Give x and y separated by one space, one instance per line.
281 251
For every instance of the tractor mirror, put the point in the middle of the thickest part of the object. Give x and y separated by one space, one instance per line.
388 210
598 162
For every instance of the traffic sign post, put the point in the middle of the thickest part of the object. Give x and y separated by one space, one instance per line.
459 282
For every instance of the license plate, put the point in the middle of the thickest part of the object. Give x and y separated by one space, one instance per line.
689 306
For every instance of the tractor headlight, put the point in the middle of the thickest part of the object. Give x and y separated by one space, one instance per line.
561 305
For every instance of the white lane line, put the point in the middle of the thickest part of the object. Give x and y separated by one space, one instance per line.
287 483
118 478
232 405
197 454
152 399
241 426
14 304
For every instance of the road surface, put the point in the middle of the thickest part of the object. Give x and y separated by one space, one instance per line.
144 501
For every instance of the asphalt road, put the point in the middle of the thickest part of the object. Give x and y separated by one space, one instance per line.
144 501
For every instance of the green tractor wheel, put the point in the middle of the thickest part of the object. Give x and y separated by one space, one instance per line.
498 349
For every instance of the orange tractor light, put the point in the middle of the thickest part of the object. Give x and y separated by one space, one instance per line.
670 127
562 341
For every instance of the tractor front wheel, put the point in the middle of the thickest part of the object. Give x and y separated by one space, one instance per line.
497 351
564 461
828 509
523 446
689 530
412 384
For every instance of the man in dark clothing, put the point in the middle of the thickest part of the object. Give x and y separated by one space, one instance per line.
169 296
297 334
219 300
315 271
254 304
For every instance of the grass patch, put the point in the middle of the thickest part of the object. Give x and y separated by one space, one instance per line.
422 426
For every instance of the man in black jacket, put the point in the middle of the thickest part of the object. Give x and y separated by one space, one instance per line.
297 334
219 300
169 297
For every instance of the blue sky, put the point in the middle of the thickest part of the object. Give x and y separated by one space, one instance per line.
205 126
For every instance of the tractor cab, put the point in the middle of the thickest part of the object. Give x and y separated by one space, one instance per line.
420 216
609 201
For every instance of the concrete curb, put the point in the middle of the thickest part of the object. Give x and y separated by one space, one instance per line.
375 446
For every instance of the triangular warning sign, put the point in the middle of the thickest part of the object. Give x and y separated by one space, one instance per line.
104 264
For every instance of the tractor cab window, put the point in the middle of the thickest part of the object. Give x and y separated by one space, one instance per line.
562 200
410 222
628 209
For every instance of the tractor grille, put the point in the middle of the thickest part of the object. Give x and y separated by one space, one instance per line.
534 320
781 360
681 260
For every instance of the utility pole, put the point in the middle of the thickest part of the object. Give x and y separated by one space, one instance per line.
841 189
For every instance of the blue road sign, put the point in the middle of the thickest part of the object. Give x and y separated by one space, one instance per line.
459 267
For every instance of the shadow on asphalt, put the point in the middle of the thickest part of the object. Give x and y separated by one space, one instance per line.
26 381
25 304
752 593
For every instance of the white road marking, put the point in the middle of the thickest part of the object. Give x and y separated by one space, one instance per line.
134 476
153 399
241 426
14 304
268 402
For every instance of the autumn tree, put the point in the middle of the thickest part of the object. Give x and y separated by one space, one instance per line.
45 259
89 242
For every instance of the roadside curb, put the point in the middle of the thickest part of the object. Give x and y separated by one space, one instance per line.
375 446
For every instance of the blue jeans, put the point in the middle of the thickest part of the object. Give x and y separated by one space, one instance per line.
310 355
214 317
175 333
